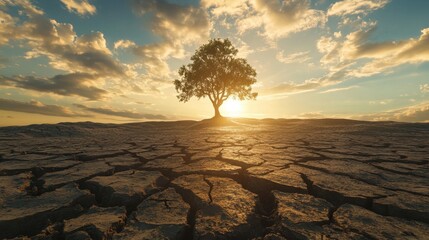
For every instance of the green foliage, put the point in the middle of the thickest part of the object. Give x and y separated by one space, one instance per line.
216 73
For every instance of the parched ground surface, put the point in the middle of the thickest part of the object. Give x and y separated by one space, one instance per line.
264 179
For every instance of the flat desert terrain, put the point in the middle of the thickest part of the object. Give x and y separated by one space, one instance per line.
259 179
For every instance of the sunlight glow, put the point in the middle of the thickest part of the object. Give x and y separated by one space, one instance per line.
232 108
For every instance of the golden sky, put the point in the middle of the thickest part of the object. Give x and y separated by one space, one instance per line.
115 61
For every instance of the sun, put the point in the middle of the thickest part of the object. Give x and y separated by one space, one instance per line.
232 108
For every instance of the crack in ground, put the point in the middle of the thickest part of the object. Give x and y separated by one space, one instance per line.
188 197
210 190
263 189
360 179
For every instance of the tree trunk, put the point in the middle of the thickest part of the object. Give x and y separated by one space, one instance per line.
217 113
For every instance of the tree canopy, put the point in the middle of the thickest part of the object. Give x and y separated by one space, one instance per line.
217 73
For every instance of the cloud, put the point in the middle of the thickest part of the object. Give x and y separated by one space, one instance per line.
286 88
7 27
356 57
124 44
222 7
424 88
330 47
142 103
417 113
249 21
26 5
37 108
299 57
124 113
356 45
339 89
387 55
178 24
280 18
351 7
59 42
312 115
81 7
381 102
337 34
414 113
75 84
66 51
153 58
244 49
290 87
277 18
288 16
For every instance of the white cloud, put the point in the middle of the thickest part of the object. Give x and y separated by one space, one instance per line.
66 51
291 88
175 23
350 7
7 27
330 47
277 18
80 7
381 102
26 5
153 58
243 48
424 88
248 22
281 18
178 26
370 58
339 89
414 113
387 55
8 23
329 79
124 44
298 57
337 34
227 7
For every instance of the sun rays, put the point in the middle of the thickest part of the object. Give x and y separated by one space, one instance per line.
232 108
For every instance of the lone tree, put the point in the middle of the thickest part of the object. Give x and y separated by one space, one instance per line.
216 73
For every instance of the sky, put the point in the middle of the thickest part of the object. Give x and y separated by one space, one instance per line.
116 60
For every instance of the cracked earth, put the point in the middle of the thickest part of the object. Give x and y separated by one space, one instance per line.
264 179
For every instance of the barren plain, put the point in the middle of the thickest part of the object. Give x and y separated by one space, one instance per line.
259 179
